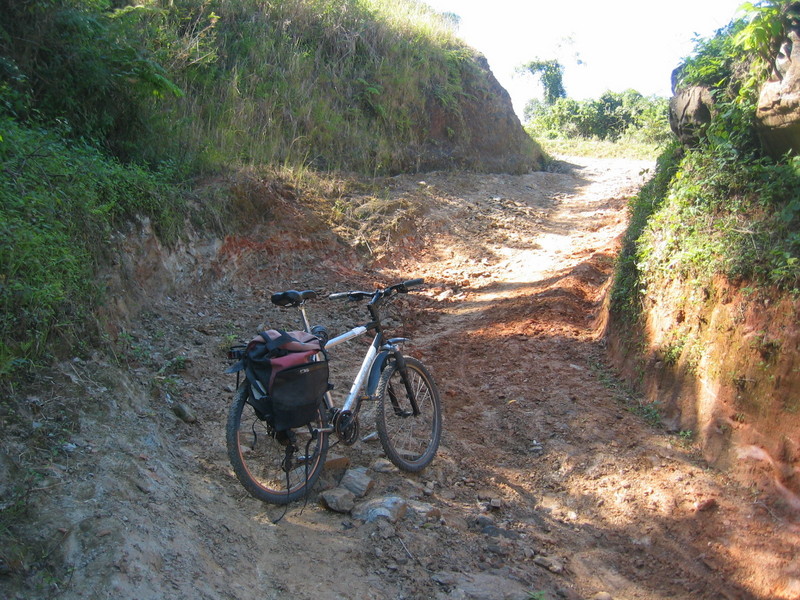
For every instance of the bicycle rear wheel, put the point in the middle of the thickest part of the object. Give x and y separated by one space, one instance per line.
409 441
275 467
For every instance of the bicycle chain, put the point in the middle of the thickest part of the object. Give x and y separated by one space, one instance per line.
346 426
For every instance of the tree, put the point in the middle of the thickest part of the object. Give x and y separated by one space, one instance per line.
609 117
551 75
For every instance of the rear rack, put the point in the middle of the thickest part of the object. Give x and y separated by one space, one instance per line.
236 352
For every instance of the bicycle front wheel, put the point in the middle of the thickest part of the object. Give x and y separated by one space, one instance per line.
410 441
275 467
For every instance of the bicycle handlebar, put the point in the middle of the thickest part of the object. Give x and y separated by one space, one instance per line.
399 288
412 282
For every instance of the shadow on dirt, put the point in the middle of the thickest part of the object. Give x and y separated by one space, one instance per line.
584 472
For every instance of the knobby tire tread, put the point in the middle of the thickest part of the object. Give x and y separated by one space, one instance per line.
421 435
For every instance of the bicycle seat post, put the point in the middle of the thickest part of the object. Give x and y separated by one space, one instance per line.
306 324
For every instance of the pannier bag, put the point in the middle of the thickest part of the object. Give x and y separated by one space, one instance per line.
286 383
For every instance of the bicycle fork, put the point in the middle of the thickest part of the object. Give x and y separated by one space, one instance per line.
400 361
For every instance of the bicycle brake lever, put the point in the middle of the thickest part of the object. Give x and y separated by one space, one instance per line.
404 287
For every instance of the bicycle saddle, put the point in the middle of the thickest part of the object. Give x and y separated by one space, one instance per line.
292 297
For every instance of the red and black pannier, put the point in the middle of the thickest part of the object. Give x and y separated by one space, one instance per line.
288 375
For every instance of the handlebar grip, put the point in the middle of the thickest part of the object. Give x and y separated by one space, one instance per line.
412 282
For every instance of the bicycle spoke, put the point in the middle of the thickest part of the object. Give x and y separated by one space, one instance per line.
274 467
410 441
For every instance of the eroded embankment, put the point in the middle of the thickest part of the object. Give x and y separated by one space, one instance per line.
722 363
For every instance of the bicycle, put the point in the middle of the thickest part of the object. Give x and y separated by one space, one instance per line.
281 467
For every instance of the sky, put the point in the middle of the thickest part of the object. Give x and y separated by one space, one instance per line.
603 45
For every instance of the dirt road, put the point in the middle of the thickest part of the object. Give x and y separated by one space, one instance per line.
552 480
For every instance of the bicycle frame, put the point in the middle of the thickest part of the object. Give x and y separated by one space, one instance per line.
371 366
353 401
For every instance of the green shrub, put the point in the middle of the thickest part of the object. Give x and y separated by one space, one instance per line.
82 65
739 219
59 204
628 284
721 208
610 117
705 214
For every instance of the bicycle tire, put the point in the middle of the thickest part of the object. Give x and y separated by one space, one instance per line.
256 453
409 441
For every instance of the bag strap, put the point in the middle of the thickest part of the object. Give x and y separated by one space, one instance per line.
274 344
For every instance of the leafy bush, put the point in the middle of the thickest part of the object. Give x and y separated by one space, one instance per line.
722 208
713 62
737 219
82 65
59 204
611 117
628 284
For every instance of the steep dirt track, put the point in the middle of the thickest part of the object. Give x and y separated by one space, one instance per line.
630 511
550 482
